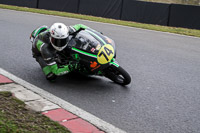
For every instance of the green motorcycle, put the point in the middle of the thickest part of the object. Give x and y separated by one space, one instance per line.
95 54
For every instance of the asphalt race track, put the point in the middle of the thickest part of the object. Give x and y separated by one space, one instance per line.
164 95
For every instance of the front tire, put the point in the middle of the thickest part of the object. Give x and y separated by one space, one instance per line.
118 75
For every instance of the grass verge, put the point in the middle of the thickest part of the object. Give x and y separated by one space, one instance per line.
15 118
183 31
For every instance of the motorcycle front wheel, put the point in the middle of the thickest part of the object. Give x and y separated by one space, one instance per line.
118 75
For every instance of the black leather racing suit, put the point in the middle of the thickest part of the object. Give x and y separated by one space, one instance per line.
45 54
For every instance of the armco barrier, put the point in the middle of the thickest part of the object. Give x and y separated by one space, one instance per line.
185 16
59 5
24 3
145 12
101 8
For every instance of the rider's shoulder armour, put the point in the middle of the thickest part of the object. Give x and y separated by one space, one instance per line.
37 31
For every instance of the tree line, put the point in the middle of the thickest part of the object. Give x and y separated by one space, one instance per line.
186 2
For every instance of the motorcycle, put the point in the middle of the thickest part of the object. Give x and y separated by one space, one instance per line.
95 54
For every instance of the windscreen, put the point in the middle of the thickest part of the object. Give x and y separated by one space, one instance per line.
87 42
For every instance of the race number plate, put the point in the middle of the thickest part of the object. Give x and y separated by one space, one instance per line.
105 55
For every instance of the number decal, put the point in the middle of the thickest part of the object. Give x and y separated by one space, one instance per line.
102 53
106 53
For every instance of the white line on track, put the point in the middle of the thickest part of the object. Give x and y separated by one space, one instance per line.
64 104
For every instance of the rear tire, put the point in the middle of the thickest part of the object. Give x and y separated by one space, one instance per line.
118 75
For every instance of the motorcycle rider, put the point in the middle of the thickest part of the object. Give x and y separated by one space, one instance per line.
47 41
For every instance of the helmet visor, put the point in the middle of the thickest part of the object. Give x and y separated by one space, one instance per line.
59 42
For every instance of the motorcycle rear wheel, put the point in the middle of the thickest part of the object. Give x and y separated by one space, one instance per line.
118 75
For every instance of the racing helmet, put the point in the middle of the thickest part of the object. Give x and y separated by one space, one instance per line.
59 36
